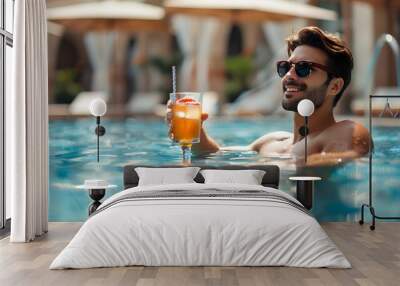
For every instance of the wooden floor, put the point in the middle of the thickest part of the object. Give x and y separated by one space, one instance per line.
375 257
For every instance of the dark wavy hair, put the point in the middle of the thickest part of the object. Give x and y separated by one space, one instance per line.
340 59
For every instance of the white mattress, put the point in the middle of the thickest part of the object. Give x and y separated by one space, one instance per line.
183 231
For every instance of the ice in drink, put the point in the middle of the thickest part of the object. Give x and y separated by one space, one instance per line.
186 121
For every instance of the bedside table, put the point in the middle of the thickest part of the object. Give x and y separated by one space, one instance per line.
97 190
305 190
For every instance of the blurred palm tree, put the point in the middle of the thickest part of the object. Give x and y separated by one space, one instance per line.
66 86
164 65
238 72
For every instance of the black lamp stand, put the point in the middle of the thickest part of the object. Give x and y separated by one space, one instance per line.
303 130
100 131
96 195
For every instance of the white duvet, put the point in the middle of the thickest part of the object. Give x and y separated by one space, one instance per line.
200 231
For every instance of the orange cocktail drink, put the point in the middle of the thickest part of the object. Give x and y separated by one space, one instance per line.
186 121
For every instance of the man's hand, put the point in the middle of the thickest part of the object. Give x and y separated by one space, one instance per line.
206 145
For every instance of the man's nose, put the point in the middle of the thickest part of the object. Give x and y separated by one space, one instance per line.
291 74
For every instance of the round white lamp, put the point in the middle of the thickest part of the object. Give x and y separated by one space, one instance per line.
98 108
305 108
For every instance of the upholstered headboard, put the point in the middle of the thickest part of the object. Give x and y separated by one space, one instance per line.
270 179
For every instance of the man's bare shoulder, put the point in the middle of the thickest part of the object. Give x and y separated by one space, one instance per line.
351 133
358 130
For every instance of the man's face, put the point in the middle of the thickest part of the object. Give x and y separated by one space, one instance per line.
313 87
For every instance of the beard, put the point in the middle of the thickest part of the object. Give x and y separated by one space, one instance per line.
316 95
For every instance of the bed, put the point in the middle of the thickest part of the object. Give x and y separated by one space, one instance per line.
201 224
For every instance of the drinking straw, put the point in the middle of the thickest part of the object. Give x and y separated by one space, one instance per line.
173 80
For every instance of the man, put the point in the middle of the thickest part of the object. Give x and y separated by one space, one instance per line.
319 69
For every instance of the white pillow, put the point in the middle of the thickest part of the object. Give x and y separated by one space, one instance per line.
248 177
164 176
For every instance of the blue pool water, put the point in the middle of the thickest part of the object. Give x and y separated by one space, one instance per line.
137 141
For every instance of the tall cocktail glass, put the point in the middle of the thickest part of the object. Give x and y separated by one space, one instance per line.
186 121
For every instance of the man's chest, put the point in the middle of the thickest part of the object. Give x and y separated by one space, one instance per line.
331 140
286 147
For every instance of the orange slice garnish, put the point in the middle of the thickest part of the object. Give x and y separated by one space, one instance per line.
188 100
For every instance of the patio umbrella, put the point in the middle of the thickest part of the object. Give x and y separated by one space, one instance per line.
109 15
249 10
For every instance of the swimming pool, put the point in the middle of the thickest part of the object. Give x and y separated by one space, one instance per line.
138 141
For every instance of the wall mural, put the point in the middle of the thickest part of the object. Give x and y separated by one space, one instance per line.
305 138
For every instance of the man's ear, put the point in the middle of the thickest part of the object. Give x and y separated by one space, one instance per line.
336 85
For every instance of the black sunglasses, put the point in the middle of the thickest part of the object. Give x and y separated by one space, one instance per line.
302 68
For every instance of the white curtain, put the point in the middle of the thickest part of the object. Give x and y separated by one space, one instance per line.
186 29
27 123
100 48
195 37
204 49
139 55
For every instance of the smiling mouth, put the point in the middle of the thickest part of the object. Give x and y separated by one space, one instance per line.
290 91
293 88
